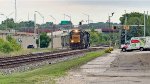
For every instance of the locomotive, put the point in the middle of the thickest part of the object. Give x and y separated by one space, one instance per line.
79 39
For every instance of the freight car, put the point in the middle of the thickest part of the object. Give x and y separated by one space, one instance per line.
79 39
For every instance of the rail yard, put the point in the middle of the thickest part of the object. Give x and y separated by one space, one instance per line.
74 42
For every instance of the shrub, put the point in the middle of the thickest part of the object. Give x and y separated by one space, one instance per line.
6 47
111 49
9 45
108 50
13 43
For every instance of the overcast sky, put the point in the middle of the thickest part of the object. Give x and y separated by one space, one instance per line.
97 9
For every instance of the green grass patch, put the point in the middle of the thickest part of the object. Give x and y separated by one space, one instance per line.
49 72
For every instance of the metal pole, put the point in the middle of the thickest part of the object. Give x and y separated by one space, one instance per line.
6 22
109 31
35 27
43 21
39 37
52 32
125 30
35 23
88 19
39 29
52 37
120 30
144 24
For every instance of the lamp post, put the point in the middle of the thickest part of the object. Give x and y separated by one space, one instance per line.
35 25
52 31
40 15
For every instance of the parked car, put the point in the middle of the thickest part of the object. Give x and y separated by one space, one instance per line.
30 46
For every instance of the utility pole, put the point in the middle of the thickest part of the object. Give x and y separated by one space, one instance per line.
110 28
52 31
125 24
39 29
35 30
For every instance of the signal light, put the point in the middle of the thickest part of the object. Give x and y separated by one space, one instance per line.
114 27
80 23
76 31
126 27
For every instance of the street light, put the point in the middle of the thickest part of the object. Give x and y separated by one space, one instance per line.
53 18
40 15
68 16
35 24
52 31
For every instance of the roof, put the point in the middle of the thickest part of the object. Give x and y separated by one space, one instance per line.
109 30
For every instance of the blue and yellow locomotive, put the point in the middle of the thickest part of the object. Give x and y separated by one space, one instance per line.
79 39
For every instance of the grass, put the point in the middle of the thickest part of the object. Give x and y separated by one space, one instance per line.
24 52
47 73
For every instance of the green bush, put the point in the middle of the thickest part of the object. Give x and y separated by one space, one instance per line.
6 47
9 45
108 50
111 49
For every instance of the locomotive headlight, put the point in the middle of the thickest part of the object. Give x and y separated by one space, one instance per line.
72 41
76 31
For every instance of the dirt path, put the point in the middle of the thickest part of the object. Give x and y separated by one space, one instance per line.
115 68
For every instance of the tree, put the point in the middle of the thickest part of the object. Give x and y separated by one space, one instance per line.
26 24
94 37
135 18
44 40
9 23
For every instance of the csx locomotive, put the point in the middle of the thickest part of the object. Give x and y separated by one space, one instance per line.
79 39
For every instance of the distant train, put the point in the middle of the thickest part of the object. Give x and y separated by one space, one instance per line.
79 39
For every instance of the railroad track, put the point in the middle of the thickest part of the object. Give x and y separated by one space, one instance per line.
11 62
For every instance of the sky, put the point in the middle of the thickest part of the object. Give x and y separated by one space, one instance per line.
98 10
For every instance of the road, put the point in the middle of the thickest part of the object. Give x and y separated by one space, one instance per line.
115 68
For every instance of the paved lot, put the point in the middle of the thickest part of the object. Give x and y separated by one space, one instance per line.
115 68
